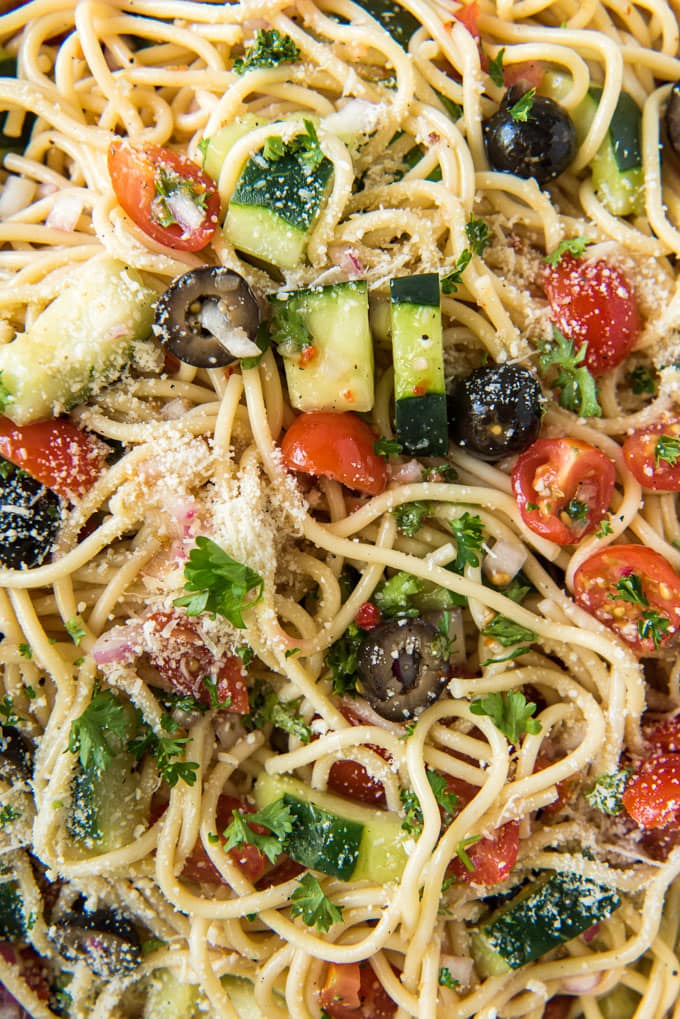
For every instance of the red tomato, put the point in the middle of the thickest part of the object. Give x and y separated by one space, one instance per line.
558 1008
596 590
338 446
666 734
530 72
251 862
283 870
563 488
592 302
183 661
652 796
368 616
353 991
350 779
165 194
652 459
57 453
468 15
492 858
565 789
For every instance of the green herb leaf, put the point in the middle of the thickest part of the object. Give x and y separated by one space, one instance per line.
507 632
270 49
652 624
410 516
311 903
210 683
203 147
342 659
265 708
9 814
604 529
442 473
462 851
26 651
571 246
75 629
477 231
150 945
224 587
605 794
629 589
510 712
518 588
288 329
445 978
7 711
393 596
517 653
578 511
90 735
448 801
642 380
453 280
495 68
5 395
468 531
165 749
522 108
387 447
667 448
276 816
263 340
577 388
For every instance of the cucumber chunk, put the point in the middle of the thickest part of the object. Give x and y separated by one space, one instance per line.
394 18
242 996
80 343
335 836
418 355
217 147
14 924
107 806
541 917
170 998
335 323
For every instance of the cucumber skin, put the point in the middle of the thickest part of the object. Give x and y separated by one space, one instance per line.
422 424
323 841
81 342
107 807
416 290
13 923
520 931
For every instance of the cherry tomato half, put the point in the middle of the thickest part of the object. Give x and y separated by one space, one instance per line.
652 796
653 456
492 858
468 15
592 302
338 446
350 779
56 453
563 488
633 591
353 991
665 735
165 194
250 861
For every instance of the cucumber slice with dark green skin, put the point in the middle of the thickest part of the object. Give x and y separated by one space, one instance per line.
13 922
394 18
418 355
335 836
541 917
168 997
108 806
339 375
273 208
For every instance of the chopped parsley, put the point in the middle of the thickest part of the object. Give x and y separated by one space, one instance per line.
75 629
394 596
642 380
507 632
387 447
604 529
653 626
165 749
667 449
577 388
210 683
276 816
571 246
222 586
410 516
443 473
311 903
522 108
342 659
26 651
629 589
90 735
606 792
270 49
478 233
445 978
462 851
304 147
9 814
577 511
7 711
453 280
288 329
468 531
518 588
265 707
447 800
510 712
495 68
5 394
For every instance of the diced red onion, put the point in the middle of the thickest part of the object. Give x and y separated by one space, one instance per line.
115 646
584 983
65 212
345 257
17 194
409 473
504 561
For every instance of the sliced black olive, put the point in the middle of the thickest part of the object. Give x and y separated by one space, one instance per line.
208 317
542 146
400 669
29 519
496 411
16 754
673 118
105 939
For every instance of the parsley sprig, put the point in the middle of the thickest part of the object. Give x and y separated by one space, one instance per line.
570 246
468 531
510 712
387 447
218 584
276 816
577 388
91 734
265 707
651 625
495 68
342 659
269 49
667 449
447 800
453 280
166 748
606 792
507 632
9 716
642 380
522 108
75 629
394 596
311 903
410 516
478 233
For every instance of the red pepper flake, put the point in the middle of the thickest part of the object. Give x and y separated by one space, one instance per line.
368 616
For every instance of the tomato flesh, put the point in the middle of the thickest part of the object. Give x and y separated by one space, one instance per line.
56 453
652 796
644 453
337 446
595 590
563 488
350 779
665 735
353 991
592 302
250 861
165 194
492 858
468 15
